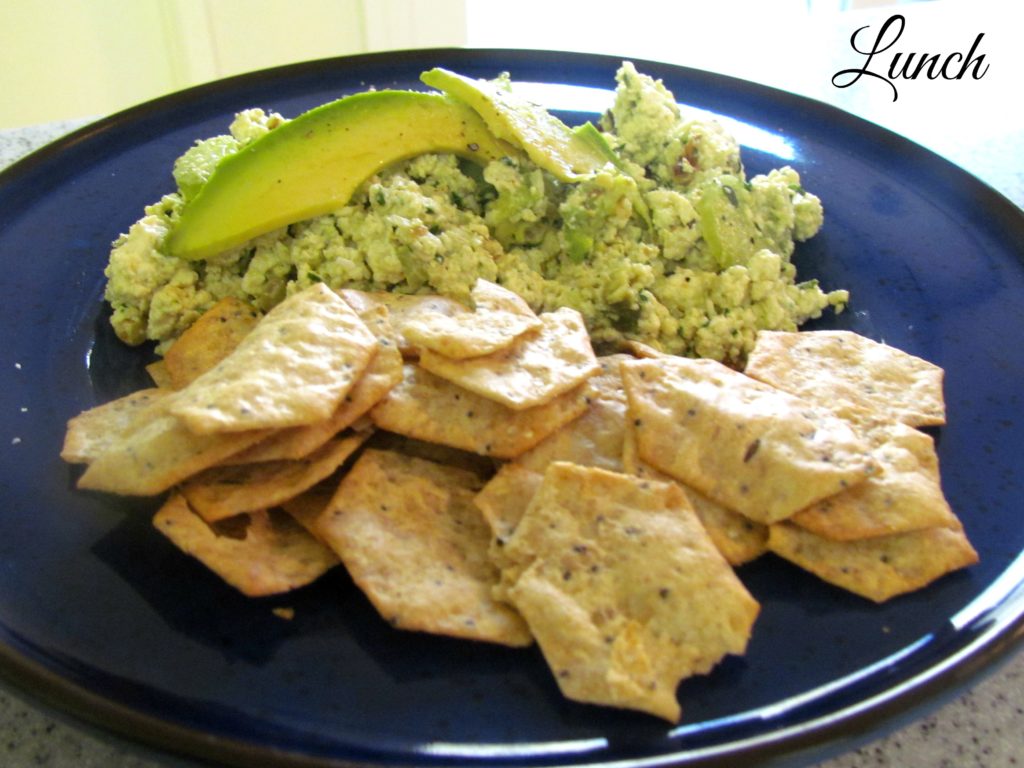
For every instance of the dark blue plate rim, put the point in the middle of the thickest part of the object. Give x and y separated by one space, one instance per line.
985 635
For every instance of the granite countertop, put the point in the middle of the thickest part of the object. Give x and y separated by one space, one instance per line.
978 728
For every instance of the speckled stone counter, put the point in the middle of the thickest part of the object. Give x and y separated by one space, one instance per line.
981 727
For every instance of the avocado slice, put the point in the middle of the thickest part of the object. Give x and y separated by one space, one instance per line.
589 134
314 163
548 142
723 208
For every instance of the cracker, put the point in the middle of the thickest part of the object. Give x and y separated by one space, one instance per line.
405 308
93 431
850 373
503 502
878 568
211 338
273 554
382 373
307 507
505 497
595 438
483 466
905 496
410 537
640 349
158 374
748 446
623 590
429 408
736 536
225 491
534 370
499 318
294 368
160 452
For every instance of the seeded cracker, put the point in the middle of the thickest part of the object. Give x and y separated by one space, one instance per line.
848 373
293 368
405 308
93 431
499 318
905 496
429 408
596 437
503 502
224 491
593 439
623 590
537 367
755 449
505 497
736 536
482 466
383 372
307 507
878 568
410 537
273 554
158 374
209 340
159 451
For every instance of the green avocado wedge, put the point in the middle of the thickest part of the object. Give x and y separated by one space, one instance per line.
589 134
548 142
314 163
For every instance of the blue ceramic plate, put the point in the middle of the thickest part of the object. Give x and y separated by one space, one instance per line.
102 617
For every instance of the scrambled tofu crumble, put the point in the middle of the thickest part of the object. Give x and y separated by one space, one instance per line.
674 246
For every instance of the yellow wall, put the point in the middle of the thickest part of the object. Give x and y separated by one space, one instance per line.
65 59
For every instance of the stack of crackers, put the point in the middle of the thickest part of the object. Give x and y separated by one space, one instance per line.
481 473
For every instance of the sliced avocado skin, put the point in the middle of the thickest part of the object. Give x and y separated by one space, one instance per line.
313 164
548 142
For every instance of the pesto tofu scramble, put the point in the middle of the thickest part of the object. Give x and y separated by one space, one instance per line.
671 245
